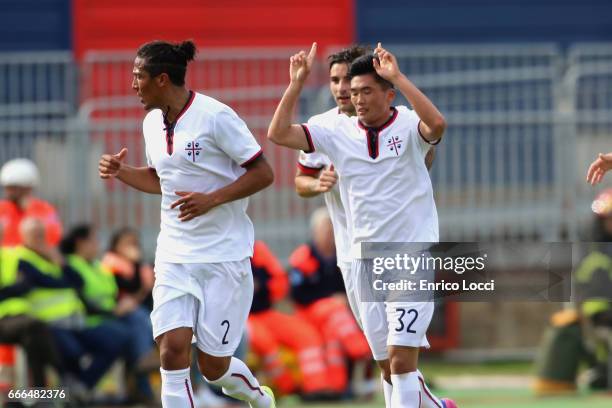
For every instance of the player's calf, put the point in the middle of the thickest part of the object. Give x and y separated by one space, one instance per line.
385 370
213 367
406 388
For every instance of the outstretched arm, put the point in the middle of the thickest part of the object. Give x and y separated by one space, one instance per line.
141 178
599 168
281 131
432 124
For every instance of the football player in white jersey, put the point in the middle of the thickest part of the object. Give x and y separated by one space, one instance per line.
316 175
204 162
386 192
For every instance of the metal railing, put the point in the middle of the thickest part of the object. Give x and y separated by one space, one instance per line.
524 122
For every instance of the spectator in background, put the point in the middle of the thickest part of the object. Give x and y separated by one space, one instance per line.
269 329
51 295
53 300
593 288
580 332
108 315
18 327
134 277
19 177
317 289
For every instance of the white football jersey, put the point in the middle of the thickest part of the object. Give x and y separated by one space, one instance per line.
387 192
205 150
311 164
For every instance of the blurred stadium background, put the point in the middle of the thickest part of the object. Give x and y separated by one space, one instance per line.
526 87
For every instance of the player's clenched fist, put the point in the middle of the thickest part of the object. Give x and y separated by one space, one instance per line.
326 181
599 167
300 64
110 164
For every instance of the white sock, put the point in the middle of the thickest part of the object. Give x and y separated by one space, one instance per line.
176 391
238 382
387 390
428 399
406 390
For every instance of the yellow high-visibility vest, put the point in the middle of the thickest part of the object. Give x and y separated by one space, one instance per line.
99 288
8 276
50 304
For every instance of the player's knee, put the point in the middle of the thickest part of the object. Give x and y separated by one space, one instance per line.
213 368
403 359
174 354
174 358
400 364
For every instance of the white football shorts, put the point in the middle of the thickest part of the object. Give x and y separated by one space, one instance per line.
213 299
386 324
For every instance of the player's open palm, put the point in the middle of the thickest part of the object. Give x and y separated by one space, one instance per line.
193 205
110 164
599 167
386 64
301 64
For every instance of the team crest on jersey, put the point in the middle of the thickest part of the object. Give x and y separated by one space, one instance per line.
394 144
193 150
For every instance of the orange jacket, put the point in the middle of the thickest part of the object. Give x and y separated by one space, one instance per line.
313 276
269 278
131 277
11 216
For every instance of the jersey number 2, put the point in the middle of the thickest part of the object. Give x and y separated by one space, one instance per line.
224 341
401 320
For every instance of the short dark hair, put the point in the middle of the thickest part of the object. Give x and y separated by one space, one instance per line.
162 56
364 65
79 233
348 55
118 236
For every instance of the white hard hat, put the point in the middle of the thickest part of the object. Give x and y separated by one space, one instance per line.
19 172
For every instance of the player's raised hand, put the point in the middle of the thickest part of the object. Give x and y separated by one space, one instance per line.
192 205
301 63
110 164
326 181
599 167
386 64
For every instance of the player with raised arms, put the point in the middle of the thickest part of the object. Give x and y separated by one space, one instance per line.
204 162
387 193
316 175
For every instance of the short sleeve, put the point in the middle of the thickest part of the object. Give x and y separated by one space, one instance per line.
146 124
413 120
320 139
234 137
311 163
